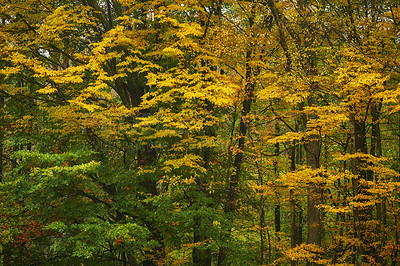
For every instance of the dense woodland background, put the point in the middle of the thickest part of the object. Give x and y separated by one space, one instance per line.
208 132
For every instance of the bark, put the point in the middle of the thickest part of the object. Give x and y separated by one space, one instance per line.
1 139
293 241
376 150
314 197
292 223
361 215
132 260
277 219
262 222
313 141
243 127
262 229
146 155
376 143
7 249
203 256
230 206
282 37
277 210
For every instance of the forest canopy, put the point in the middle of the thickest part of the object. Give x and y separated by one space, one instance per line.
212 132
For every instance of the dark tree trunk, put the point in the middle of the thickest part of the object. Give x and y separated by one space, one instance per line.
246 106
293 240
376 150
277 210
314 197
359 145
2 130
313 142
202 256
230 206
6 248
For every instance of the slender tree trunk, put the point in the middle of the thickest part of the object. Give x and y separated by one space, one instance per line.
360 214
292 199
269 246
6 248
398 144
313 142
2 130
243 127
200 256
376 150
395 252
262 228
282 38
277 210
131 260
314 197
262 219
230 206
203 256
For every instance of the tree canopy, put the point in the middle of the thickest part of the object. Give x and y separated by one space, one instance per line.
215 132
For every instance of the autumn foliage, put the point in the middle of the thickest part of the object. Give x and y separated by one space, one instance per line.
211 132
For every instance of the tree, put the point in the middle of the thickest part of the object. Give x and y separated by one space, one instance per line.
211 132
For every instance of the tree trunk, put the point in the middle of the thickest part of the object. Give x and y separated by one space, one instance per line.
314 197
202 256
2 130
262 229
230 206
313 142
293 240
376 150
277 210
359 145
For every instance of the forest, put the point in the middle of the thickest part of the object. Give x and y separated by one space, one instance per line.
200 132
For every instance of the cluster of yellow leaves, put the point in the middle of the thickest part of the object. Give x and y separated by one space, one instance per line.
62 22
188 160
307 252
213 87
290 89
304 177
